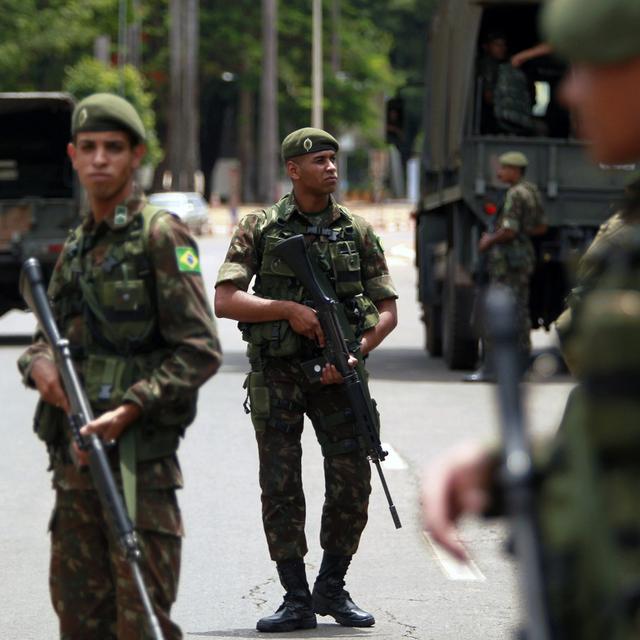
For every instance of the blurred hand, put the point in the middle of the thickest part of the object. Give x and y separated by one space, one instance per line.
457 483
486 240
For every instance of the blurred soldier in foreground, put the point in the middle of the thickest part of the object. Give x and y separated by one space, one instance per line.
287 380
588 503
128 295
511 253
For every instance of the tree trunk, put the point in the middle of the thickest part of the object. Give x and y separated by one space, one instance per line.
268 131
184 156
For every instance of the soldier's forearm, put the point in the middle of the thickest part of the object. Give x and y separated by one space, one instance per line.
231 302
386 324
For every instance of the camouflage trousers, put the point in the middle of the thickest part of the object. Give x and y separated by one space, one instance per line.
518 283
280 397
90 581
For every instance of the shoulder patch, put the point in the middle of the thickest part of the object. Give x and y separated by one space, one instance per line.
187 260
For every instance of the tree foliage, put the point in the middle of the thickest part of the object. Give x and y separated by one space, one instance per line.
90 76
381 45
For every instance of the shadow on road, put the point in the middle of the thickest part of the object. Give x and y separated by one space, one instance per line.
395 364
322 631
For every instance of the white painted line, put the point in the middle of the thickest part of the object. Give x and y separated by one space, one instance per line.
402 251
452 567
393 460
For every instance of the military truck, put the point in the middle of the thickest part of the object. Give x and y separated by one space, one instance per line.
460 157
39 197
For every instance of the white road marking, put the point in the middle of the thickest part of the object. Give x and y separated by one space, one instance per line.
452 567
402 251
393 460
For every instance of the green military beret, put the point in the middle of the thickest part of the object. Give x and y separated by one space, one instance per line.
514 159
597 31
307 140
106 112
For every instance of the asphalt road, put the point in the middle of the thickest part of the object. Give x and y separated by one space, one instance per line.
227 579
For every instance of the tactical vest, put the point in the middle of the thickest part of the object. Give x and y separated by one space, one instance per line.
336 248
590 496
121 339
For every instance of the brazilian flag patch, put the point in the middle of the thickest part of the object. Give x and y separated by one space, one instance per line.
187 259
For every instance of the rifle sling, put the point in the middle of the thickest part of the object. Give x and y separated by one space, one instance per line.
127 451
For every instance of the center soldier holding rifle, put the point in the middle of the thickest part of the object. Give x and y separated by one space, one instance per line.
289 379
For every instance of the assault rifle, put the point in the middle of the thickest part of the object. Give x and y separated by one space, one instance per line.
33 291
337 332
518 473
481 276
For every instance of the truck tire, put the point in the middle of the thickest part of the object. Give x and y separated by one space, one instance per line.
432 318
459 342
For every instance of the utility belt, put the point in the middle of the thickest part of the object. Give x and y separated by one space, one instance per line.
276 339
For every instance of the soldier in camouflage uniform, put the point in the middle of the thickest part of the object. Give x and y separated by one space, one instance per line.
511 252
285 347
588 476
128 294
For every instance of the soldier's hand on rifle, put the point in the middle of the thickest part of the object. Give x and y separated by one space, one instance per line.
458 483
304 320
45 376
110 425
330 375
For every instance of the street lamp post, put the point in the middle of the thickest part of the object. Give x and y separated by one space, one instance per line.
316 114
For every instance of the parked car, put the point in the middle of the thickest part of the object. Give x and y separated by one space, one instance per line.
191 208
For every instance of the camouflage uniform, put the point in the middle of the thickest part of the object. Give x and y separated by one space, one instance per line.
122 278
511 264
280 393
588 497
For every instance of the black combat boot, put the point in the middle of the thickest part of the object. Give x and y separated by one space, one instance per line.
330 597
296 611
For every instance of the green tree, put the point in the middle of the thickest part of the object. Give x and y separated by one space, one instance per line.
39 39
90 76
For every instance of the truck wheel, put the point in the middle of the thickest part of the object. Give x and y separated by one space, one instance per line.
432 318
459 343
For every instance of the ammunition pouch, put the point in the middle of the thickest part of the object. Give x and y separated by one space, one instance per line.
345 262
273 339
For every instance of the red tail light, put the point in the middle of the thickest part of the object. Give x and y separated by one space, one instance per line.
490 208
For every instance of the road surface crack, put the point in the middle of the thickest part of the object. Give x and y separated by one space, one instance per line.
409 630
256 594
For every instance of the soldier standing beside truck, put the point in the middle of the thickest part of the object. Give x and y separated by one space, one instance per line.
511 253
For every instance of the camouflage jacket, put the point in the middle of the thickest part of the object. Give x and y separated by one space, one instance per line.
182 349
589 502
522 211
346 247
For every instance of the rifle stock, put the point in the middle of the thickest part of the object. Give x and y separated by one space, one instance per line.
518 472
336 328
32 288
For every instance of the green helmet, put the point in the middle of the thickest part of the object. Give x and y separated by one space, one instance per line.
593 31
107 112
307 140
514 159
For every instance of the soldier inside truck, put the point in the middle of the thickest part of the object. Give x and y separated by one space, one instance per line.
516 97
